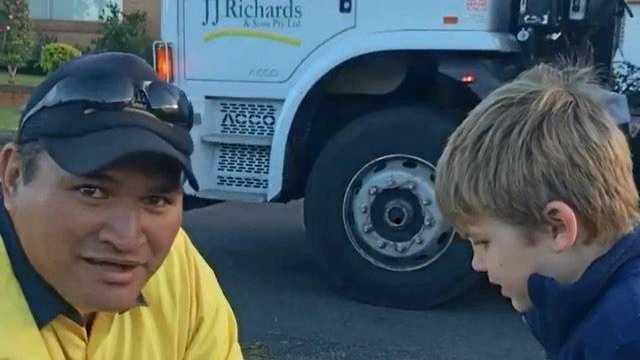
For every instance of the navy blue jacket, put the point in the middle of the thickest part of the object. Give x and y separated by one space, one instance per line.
598 316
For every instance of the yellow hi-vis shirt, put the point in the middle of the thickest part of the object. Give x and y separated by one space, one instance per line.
186 317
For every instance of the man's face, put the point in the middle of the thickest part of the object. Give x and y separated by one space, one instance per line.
96 239
509 256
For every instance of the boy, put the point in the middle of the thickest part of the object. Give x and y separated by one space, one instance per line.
539 179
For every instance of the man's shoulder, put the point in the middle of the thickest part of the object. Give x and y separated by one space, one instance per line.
173 289
181 249
181 263
185 294
184 274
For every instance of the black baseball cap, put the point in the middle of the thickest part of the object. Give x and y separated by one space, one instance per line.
83 135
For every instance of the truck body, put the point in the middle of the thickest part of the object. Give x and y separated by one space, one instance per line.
348 103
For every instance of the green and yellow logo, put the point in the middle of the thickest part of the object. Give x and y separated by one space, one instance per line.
255 34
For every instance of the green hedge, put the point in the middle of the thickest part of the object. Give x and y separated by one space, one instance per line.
55 54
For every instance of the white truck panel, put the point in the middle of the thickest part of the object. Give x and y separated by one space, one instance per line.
169 20
265 41
476 15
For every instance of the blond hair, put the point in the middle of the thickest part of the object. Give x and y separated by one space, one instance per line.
542 137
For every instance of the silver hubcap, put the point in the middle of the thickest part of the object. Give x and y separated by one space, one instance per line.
397 213
390 215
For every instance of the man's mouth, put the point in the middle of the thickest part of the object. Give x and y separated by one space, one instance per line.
113 261
114 271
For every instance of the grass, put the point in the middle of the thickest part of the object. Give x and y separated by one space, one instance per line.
21 79
257 351
9 117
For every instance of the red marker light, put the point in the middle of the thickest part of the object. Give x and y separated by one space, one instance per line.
468 79
450 20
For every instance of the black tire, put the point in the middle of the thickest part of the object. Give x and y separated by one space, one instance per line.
418 131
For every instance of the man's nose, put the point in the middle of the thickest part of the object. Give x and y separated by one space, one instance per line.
478 263
124 229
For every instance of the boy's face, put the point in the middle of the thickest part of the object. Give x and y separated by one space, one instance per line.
508 256
96 239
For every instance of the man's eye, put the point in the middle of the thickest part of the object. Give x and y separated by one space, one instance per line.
157 201
93 192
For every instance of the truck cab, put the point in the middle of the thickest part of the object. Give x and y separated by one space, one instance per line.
348 104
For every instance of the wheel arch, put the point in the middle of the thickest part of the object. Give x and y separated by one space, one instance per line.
422 72
338 51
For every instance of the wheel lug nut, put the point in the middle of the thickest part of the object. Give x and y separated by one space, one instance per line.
411 186
430 222
392 182
373 190
419 240
381 244
364 209
426 202
400 248
367 228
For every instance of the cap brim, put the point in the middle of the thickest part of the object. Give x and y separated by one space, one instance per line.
95 151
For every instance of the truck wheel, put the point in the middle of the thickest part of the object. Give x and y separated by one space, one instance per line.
371 216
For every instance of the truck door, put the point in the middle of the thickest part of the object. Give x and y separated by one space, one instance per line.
265 40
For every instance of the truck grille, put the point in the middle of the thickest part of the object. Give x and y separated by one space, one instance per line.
243 182
238 133
246 159
241 118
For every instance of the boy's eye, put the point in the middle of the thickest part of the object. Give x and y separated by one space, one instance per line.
484 244
91 191
479 243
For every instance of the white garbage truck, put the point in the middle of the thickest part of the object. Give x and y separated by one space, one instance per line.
348 104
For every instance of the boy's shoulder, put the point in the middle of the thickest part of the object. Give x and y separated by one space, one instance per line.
620 300
612 326
619 303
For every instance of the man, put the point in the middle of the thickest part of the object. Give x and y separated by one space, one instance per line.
93 262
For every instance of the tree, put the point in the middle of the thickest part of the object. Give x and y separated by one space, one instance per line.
17 39
627 82
122 32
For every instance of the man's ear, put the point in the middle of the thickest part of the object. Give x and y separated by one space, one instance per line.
10 171
562 224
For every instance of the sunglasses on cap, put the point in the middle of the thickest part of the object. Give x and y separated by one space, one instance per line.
112 93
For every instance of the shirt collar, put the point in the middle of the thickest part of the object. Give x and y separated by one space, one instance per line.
44 301
558 308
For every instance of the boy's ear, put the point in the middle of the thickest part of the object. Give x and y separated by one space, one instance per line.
10 172
562 224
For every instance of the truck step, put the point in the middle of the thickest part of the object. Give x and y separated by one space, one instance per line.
229 195
237 139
